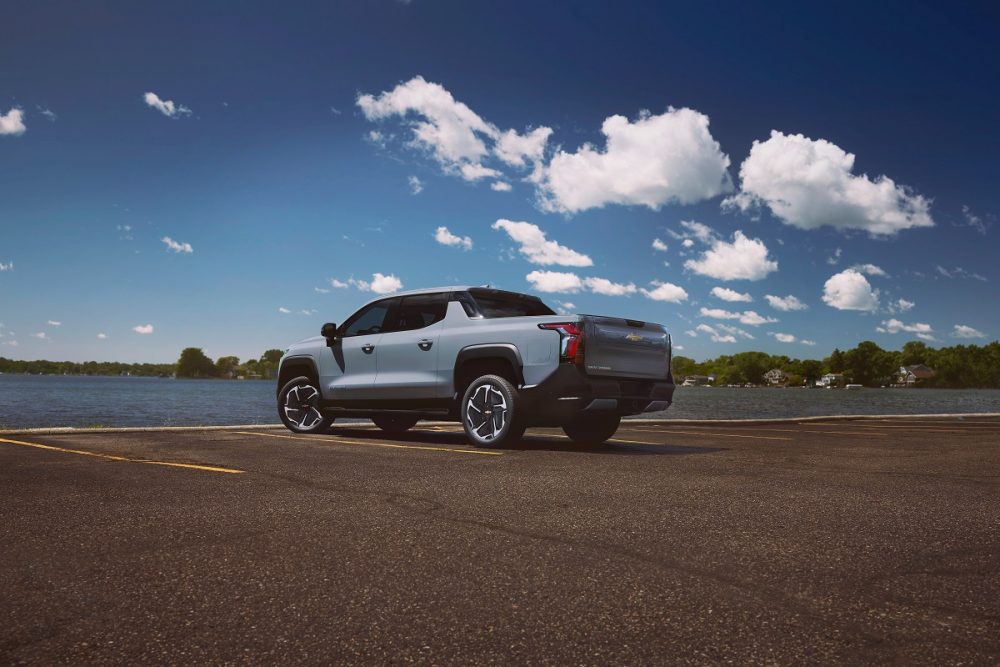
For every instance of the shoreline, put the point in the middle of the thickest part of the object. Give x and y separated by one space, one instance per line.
55 430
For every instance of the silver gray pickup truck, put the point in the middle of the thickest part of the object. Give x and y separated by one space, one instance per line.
496 361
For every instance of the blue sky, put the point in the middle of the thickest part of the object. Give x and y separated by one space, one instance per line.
304 159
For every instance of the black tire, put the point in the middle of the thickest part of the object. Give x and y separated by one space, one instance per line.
298 406
491 412
592 429
394 424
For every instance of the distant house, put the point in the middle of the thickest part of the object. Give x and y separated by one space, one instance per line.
698 380
912 375
776 377
831 380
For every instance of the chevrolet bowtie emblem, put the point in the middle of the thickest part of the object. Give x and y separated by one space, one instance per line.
633 337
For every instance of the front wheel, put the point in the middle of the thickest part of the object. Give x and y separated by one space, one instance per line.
298 407
592 429
491 412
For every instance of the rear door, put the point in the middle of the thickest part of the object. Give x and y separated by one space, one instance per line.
347 369
408 350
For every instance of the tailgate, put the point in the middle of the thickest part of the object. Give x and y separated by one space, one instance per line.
615 347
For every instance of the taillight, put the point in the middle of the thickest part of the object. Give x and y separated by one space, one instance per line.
570 340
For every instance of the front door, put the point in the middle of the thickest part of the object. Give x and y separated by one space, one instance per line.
347 369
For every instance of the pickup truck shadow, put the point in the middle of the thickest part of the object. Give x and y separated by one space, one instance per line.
530 442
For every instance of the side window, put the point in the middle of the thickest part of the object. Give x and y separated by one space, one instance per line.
418 311
369 320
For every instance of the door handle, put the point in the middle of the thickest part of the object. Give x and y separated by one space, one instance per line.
425 344
367 348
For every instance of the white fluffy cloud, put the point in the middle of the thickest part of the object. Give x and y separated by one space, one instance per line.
518 149
537 248
102 336
895 326
963 331
608 288
871 270
782 337
746 317
785 303
54 323
699 230
659 245
500 186
902 305
41 335
665 292
670 157
175 246
554 281
9 266
742 259
714 334
445 237
566 282
12 123
382 284
166 107
849 290
143 329
283 310
810 343
808 183
448 128
731 295
416 185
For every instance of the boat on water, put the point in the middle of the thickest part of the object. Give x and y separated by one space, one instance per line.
855 386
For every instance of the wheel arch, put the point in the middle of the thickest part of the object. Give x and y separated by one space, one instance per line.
503 357
293 367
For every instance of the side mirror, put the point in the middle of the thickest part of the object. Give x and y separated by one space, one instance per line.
329 331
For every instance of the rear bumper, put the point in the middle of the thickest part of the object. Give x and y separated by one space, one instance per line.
568 392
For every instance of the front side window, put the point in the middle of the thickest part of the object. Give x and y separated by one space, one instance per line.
417 311
369 320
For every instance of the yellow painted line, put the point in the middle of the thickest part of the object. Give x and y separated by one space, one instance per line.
923 429
784 430
670 431
112 457
342 441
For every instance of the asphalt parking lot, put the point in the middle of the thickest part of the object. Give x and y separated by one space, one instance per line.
869 541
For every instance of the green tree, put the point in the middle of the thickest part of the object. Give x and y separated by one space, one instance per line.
835 363
869 364
269 363
194 364
227 366
914 352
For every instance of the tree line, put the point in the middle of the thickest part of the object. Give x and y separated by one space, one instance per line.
193 363
959 366
955 367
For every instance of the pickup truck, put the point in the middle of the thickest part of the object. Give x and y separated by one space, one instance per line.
496 361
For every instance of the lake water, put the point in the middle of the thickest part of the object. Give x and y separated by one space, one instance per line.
38 401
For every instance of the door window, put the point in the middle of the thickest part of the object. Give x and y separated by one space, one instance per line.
417 312
369 320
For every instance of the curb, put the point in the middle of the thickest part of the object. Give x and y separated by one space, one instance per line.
683 422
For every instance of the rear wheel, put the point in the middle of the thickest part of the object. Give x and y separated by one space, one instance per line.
592 429
394 424
298 406
491 412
